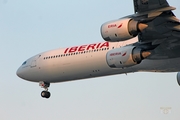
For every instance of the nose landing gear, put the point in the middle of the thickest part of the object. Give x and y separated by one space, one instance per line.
45 93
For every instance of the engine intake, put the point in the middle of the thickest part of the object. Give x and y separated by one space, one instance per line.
121 30
125 57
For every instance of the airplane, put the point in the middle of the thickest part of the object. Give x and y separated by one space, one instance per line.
148 41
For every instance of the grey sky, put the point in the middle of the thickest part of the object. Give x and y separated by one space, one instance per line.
33 26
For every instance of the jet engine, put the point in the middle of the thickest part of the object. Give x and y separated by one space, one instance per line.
125 57
121 30
178 78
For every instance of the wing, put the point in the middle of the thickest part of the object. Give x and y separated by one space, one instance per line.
163 29
147 5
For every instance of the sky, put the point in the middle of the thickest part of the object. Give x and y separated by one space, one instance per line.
29 27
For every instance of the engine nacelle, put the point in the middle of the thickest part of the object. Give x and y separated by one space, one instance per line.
178 78
125 57
121 30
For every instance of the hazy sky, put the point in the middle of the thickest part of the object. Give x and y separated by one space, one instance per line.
28 27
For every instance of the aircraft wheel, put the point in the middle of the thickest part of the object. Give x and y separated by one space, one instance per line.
45 94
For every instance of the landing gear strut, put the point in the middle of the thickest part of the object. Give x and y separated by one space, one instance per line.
45 93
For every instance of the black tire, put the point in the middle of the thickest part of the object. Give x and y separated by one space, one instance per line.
45 94
48 94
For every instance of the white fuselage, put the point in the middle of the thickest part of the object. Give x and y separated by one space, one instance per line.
84 61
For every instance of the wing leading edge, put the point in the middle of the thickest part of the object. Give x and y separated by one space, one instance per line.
148 5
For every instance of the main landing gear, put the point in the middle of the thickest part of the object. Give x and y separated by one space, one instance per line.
45 93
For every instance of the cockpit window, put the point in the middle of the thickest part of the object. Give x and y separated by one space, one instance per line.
24 63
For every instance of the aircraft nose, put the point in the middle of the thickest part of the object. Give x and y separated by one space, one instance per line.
20 73
23 70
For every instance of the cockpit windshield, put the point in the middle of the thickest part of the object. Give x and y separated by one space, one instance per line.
24 63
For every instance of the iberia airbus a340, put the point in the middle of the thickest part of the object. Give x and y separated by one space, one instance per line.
148 40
